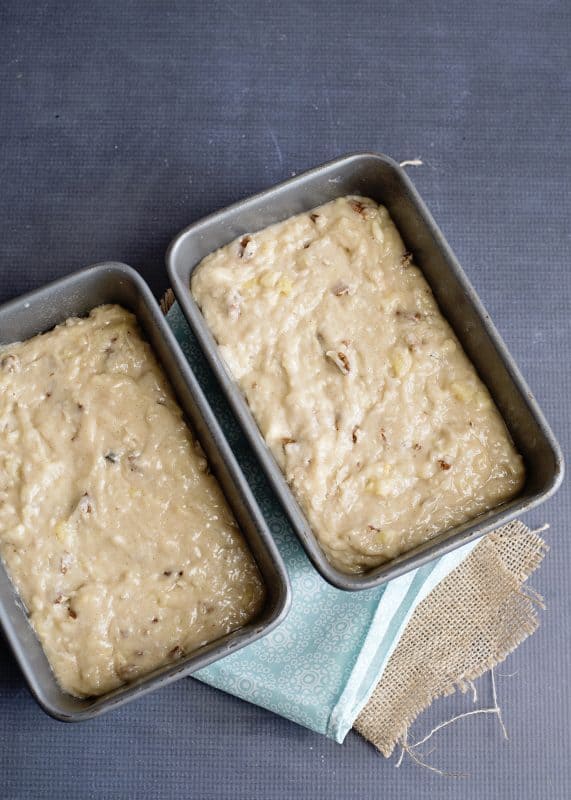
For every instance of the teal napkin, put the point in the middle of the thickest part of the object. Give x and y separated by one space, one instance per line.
321 665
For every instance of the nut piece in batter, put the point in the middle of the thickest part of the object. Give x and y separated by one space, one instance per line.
118 540
361 389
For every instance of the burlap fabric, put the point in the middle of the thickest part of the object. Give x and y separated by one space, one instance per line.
469 623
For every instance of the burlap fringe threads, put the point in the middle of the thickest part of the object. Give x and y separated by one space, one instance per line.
467 625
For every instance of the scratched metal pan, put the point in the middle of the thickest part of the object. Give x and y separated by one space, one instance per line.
38 312
380 178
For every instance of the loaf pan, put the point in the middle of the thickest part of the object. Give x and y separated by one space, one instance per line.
380 178
76 295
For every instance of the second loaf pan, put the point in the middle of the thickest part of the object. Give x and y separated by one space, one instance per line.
380 178
40 311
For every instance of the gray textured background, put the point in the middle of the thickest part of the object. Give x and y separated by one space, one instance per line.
121 122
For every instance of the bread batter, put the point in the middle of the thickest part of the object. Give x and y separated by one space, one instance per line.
118 540
362 391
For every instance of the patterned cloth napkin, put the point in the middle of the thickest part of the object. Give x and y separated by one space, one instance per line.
321 665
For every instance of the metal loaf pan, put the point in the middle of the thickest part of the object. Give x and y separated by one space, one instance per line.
380 178
76 295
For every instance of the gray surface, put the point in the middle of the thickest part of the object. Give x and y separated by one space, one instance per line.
121 124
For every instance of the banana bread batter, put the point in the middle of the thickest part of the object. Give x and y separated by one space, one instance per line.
362 391
118 540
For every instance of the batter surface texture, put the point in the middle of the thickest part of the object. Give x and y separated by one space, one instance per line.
118 540
362 391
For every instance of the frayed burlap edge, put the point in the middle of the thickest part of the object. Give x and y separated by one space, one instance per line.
167 301
469 623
